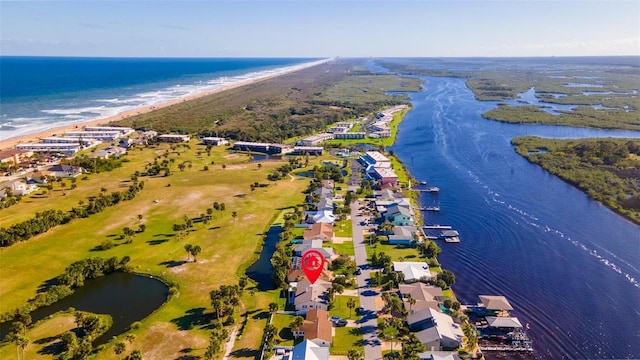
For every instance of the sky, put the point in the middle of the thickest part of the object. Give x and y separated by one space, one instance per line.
320 28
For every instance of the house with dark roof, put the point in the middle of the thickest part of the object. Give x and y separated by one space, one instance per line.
63 171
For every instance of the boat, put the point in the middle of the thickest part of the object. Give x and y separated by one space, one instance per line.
423 183
431 208
433 189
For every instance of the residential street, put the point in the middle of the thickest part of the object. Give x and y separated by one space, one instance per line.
368 323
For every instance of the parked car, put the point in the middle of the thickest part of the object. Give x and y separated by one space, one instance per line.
334 318
359 310
341 323
358 271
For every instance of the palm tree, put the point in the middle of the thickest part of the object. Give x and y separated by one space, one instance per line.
195 250
119 348
273 307
188 248
351 304
296 323
411 300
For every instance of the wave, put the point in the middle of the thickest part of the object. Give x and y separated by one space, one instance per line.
103 107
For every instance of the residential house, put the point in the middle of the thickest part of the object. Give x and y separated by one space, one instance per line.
109 152
425 296
316 327
439 355
17 187
315 244
63 171
296 274
322 231
321 216
437 331
311 296
309 350
398 215
413 271
403 235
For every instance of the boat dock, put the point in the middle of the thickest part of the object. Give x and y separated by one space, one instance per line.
441 232
433 189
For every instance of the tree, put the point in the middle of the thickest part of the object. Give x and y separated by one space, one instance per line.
351 304
273 307
135 355
234 215
130 338
354 354
296 323
447 277
119 348
412 347
195 250
411 300
188 248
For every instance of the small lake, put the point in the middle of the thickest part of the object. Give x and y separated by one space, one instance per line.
264 157
126 297
261 270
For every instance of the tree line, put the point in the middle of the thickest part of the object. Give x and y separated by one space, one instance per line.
45 220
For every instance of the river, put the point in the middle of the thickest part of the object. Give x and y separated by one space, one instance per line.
569 266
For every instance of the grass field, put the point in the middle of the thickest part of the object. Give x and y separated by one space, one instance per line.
345 339
340 307
228 243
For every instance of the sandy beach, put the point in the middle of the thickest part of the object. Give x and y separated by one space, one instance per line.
34 137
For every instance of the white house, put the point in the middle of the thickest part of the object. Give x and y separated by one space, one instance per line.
413 271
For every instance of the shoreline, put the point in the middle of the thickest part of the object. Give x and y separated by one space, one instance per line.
35 136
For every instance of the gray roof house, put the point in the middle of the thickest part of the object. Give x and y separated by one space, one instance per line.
426 296
402 235
439 331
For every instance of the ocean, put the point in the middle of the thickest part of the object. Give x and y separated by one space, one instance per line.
569 266
40 93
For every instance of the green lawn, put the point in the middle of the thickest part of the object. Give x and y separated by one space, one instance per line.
345 339
340 307
346 248
343 228
281 322
396 251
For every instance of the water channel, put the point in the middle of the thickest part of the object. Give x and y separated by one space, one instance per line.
569 266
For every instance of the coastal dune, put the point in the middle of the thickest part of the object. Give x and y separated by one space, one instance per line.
34 137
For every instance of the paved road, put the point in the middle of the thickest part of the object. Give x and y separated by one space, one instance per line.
368 323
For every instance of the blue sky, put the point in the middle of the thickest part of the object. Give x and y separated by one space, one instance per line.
320 28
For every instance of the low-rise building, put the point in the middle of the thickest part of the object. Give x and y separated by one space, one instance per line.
316 327
309 350
215 141
350 135
95 135
17 187
66 149
310 150
122 130
63 171
315 139
438 331
413 271
403 235
425 296
319 231
15 156
311 296
173 138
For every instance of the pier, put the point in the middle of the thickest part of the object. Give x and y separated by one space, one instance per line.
433 189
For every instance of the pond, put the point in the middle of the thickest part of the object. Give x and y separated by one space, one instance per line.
264 157
126 297
260 271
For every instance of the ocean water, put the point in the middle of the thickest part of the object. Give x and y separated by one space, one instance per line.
38 93
569 266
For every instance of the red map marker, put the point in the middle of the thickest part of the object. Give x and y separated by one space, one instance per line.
312 264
